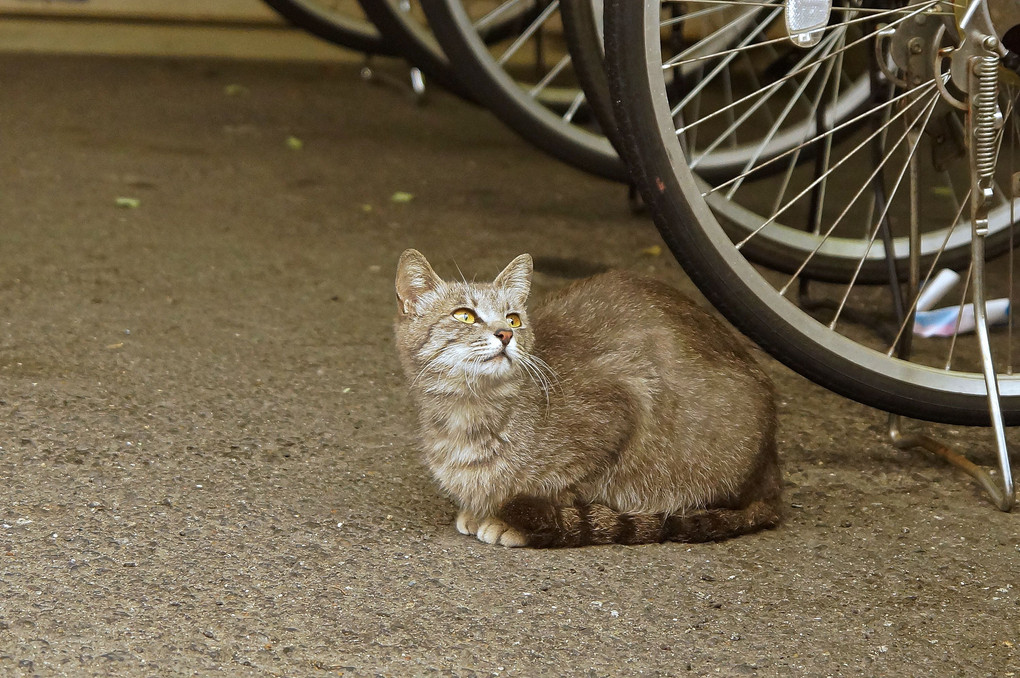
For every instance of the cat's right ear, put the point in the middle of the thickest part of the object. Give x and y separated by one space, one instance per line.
415 278
516 278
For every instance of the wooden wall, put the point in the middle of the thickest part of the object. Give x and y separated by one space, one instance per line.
244 29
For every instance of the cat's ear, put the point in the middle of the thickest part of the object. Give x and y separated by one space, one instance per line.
516 277
414 278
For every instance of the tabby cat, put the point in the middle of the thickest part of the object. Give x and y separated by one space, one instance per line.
617 412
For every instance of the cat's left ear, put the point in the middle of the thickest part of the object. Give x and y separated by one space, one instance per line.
415 278
516 278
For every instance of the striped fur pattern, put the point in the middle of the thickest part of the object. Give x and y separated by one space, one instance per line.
549 525
616 412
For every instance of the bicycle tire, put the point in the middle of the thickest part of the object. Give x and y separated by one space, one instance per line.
732 284
536 122
339 28
583 31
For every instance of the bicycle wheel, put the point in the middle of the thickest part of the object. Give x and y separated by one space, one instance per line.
340 22
526 81
880 175
777 246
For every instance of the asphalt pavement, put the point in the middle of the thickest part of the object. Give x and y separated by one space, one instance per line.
208 462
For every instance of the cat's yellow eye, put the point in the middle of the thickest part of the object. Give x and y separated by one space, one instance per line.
465 315
514 320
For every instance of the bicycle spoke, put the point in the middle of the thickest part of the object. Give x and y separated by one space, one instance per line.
847 124
909 317
730 56
1012 198
762 100
864 186
550 76
784 40
495 15
959 317
774 129
699 14
829 171
715 37
575 105
835 8
528 32
878 222
791 75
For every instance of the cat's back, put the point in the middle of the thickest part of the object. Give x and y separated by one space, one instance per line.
698 410
627 314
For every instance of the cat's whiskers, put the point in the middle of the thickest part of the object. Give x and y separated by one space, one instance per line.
424 368
536 375
443 363
537 370
469 381
461 273
427 365
474 368
543 375
552 378
545 366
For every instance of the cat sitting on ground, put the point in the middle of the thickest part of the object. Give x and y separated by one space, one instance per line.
617 412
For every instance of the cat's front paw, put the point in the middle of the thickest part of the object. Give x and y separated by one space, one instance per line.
495 531
467 523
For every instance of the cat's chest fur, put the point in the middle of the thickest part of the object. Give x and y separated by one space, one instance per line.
475 448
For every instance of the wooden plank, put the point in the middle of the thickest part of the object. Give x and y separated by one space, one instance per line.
214 11
238 29
160 39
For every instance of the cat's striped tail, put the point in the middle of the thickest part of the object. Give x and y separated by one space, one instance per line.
549 525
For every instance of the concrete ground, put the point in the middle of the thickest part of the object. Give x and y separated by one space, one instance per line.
207 452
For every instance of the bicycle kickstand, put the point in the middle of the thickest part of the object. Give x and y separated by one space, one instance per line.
414 85
982 63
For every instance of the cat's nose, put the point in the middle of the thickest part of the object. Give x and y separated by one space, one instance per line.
505 336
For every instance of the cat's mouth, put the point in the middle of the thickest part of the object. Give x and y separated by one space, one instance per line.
501 354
